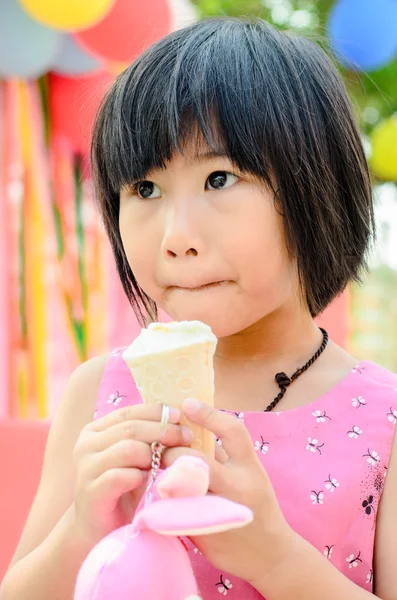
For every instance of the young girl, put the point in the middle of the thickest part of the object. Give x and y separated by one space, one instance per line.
234 189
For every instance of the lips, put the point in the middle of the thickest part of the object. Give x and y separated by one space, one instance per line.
199 286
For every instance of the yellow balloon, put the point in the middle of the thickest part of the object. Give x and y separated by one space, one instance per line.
68 15
383 161
115 68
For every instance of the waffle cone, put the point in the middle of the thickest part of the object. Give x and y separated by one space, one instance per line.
171 376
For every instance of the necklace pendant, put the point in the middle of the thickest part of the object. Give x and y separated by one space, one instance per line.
283 380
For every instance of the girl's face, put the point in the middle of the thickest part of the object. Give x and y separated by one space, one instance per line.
206 242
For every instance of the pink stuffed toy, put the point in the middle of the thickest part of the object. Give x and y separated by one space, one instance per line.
146 560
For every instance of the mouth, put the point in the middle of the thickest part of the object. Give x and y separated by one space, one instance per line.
199 288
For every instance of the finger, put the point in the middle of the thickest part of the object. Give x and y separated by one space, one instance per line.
145 412
143 431
220 454
112 484
126 453
233 434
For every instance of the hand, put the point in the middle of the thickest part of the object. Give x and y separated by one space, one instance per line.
256 550
112 462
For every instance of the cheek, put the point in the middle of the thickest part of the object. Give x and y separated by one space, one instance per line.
139 245
259 250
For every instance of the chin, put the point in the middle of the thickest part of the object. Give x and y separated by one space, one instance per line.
223 322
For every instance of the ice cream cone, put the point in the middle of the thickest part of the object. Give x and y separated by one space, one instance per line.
174 361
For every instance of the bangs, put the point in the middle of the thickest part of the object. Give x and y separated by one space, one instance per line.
177 94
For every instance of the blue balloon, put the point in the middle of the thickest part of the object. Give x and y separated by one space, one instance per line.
27 49
363 33
72 61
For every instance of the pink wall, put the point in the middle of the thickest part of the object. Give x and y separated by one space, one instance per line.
21 450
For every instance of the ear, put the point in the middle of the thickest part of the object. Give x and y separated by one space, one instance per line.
193 516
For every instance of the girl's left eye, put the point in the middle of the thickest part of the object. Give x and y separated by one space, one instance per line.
220 180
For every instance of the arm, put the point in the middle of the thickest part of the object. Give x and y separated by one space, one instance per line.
50 551
306 575
50 570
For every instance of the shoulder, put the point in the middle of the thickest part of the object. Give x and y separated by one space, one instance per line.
77 405
88 373
377 380
82 388
376 373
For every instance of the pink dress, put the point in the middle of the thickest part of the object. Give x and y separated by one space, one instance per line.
329 492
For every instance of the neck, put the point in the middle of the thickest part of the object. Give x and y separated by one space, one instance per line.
246 363
283 340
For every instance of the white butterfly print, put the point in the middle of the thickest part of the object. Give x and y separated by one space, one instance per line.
358 370
372 457
320 416
317 497
331 484
359 401
240 416
224 586
115 398
313 445
354 432
262 446
392 416
353 560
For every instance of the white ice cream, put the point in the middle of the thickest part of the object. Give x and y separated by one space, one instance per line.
165 337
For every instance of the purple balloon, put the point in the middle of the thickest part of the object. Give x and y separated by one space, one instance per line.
363 33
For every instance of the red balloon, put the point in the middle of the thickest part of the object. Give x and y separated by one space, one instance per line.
73 105
128 29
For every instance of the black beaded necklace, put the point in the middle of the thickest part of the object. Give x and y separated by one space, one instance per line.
284 381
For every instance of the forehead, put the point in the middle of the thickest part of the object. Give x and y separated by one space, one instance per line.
196 150
195 145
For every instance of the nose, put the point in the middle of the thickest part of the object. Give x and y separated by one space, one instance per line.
181 252
181 237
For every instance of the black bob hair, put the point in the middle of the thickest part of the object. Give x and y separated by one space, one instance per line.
277 106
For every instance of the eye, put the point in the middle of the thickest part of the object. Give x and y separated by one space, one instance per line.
220 180
147 190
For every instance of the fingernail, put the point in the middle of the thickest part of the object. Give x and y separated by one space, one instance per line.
192 405
187 434
175 414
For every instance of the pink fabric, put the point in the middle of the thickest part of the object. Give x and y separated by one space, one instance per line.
190 515
327 462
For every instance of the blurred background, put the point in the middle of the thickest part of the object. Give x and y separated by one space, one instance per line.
60 299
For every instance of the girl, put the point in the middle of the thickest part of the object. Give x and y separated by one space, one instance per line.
234 189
